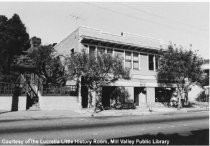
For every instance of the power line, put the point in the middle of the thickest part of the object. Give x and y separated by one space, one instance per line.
162 17
138 18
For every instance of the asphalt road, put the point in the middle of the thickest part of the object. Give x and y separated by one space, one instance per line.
48 131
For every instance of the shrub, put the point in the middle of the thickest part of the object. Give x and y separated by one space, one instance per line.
120 99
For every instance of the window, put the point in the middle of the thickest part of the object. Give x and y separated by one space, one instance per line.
101 50
92 50
151 62
128 59
119 53
109 51
72 51
85 47
156 62
135 61
144 61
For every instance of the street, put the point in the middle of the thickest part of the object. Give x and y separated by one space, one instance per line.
44 131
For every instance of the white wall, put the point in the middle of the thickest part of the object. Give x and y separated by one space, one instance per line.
59 103
6 103
22 103
194 93
150 94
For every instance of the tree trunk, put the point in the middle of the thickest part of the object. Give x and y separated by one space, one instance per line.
179 102
186 96
95 93
79 93
92 101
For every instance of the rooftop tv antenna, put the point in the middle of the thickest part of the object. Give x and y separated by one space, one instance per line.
76 18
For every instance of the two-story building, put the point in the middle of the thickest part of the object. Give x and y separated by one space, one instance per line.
139 53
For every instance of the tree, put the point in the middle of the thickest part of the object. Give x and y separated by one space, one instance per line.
96 72
14 39
48 65
182 67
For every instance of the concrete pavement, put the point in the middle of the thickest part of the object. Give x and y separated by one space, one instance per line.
25 115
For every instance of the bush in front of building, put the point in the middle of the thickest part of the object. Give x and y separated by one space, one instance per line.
180 67
120 99
203 97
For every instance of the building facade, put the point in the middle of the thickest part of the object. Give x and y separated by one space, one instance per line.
139 53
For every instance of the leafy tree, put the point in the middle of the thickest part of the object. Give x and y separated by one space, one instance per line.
14 39
96 71
182 67
48 65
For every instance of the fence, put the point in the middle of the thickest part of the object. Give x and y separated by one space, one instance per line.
7 89
70 90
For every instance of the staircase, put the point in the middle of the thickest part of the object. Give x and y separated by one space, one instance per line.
33 84
34 97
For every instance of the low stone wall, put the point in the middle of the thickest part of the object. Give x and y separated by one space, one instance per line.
58 103
6 103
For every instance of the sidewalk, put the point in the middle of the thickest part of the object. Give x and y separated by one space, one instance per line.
35 115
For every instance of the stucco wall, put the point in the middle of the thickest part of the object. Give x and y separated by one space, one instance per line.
6 103
70 42
150 92
194 93
22 103
59 103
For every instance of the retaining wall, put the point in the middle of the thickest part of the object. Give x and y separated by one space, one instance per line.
6 103
58 103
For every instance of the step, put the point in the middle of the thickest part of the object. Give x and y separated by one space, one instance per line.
35 107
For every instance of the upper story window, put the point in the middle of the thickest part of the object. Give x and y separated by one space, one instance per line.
128 59
109 51
92 50
101 50
72 51
119 53
151 62
156 62
135 60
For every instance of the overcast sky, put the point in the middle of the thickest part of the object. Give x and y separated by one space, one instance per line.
182 23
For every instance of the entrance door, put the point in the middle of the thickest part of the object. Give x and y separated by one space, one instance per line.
139 96
106 95
84 94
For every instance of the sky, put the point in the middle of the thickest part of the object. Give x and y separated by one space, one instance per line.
182 23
